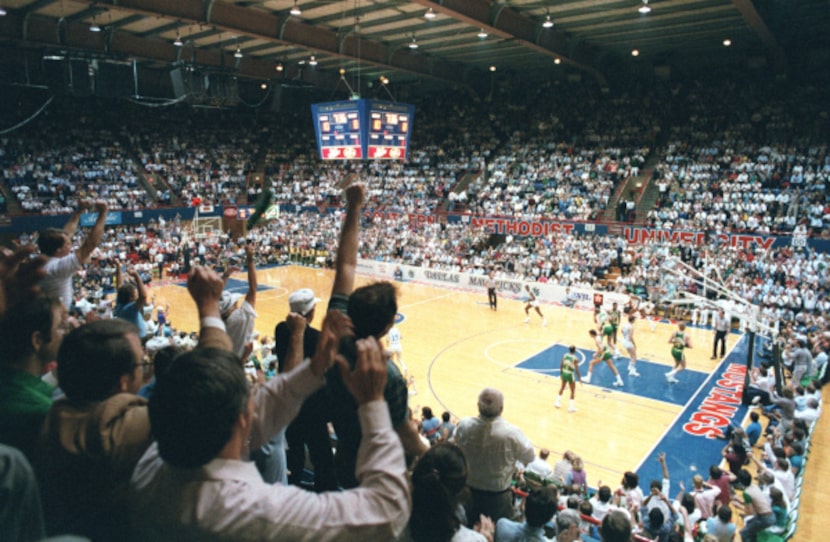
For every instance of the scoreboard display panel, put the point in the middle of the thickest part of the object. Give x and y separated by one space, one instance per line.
389 127
339 130
362 129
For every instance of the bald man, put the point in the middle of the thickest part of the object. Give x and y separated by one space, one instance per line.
492 446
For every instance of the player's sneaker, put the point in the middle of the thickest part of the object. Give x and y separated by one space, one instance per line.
619 383
544 323
671 379
527 320
557 404
587 378
633 372
572 409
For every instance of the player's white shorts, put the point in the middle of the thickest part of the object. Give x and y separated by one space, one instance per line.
628 345
395 349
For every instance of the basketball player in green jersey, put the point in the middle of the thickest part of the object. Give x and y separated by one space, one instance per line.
607 355
679 341
614 320
567 370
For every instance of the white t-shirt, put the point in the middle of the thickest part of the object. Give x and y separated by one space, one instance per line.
58 279
240 326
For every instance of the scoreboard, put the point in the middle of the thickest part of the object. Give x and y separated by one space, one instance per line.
362 129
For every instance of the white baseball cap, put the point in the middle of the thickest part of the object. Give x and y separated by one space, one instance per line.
302 301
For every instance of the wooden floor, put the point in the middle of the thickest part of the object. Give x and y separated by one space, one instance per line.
454 345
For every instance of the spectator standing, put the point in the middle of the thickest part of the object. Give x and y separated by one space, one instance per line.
194 485
63 263
492 446
296 340
29 339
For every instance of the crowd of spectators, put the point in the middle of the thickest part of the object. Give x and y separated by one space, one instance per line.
46 169
746 158
102 437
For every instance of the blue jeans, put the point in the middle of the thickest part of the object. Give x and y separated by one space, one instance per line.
755 525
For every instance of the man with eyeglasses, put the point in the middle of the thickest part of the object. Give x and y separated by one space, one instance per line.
95 435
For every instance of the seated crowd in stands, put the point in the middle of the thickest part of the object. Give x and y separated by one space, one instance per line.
94 457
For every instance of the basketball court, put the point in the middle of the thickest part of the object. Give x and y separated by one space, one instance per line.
454 345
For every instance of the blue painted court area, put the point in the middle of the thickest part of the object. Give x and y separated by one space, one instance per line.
651 383
237 286
690 443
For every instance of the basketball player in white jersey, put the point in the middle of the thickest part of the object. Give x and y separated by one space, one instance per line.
394 348
628 343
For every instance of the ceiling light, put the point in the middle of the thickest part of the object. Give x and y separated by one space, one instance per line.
296 11
548 23
492 68
279 67
413 44
430 14
644 8
178 42
557 60
384 80
312 61
94 26
264 86
482 34
238 53
2 12
301 62
727 42
635 52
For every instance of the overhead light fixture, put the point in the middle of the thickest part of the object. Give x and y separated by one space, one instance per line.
413 44
557 61
94 26
263 86
296 11
301 62
430 14
384 80
482 34
727 42
635 52
2 11
178 42
238 53
279 67
492 68
548 23
312 61
644 8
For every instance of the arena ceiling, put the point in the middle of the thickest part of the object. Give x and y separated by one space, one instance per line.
371 39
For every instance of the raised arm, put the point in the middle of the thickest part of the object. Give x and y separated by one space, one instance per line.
71 225
119 275
93 238
296 328
142 290
205 287
250 262
346 263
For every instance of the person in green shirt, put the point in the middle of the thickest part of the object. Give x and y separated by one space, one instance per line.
607 355
679 341
30 336
568 369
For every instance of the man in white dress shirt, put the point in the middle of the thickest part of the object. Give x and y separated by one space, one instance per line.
492 446
193 485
